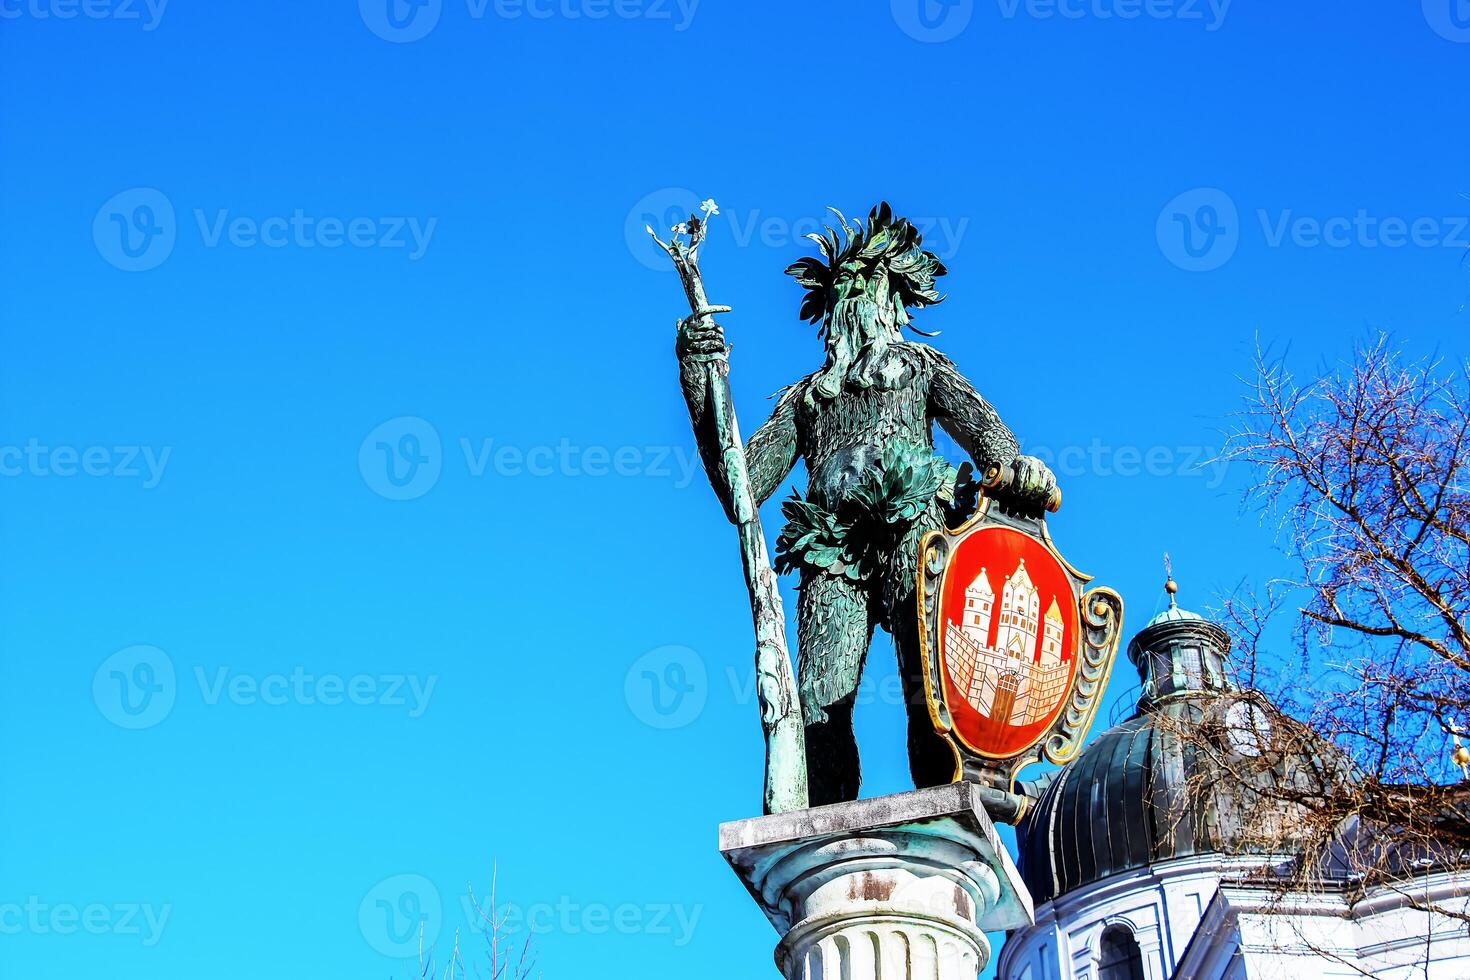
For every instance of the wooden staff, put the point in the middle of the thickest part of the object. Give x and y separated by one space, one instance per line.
786 786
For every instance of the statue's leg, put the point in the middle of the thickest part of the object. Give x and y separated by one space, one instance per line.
931 758
834 625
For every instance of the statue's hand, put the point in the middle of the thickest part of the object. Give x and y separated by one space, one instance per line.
699 337
1034 484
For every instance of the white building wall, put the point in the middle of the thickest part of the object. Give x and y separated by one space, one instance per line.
1160 906
1325 935
1188 926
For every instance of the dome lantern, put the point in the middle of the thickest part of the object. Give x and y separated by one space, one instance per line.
1180 652
1124 802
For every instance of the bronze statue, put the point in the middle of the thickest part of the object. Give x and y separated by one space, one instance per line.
862 424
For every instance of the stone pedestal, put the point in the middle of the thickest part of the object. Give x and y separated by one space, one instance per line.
901 887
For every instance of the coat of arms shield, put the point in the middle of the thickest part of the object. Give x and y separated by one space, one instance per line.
1017 649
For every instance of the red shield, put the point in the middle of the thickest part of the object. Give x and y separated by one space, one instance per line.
1007 639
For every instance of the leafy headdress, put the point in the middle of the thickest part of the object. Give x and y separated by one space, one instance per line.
881 261
860 291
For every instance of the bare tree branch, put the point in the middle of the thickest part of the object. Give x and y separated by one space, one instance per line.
1363 472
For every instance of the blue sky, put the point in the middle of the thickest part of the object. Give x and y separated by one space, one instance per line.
266 701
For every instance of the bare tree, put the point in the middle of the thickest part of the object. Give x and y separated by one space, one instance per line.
1364 468
502 958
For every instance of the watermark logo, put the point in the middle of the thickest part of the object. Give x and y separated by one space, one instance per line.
401 21
135 230
670 206
306 689
660 211
1199 230
932 21
667 687
401 459
1209 13
1450 19
397 912
135 688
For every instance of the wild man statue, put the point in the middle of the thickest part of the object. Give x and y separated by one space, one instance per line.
863 426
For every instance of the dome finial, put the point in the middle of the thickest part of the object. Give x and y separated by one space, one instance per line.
1170 586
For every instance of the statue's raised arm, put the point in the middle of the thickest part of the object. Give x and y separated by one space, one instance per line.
1024 481
771 451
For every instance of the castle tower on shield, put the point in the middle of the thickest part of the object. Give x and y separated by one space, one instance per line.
1020 677
979 608
1019 606
1051 635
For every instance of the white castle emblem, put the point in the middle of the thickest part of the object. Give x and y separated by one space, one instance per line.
1016 680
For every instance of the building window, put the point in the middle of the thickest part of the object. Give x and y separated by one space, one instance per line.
1120 958
1194 671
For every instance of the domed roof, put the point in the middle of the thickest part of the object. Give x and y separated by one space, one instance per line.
1140 793
1117 806
1175 615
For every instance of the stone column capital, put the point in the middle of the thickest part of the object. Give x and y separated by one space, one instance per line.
907 884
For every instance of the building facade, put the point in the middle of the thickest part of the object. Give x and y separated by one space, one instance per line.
1124 856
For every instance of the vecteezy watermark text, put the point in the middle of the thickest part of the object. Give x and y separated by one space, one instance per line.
1102 459
664 208
34 459
404 21
301 687
402 459
137 229
573 918
935 21
402 911
669 686
137 688
148 13
40 918
301 230
1200 229
570 459
1210 14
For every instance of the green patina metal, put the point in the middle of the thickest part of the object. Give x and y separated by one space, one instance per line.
863 425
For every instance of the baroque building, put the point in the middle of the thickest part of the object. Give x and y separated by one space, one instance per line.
1127 854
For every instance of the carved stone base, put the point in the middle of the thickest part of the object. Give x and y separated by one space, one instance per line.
901 886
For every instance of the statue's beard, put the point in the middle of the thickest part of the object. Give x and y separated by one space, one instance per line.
856 339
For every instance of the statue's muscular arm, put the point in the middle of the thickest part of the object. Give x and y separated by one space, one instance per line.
957 406
770 453
969 418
